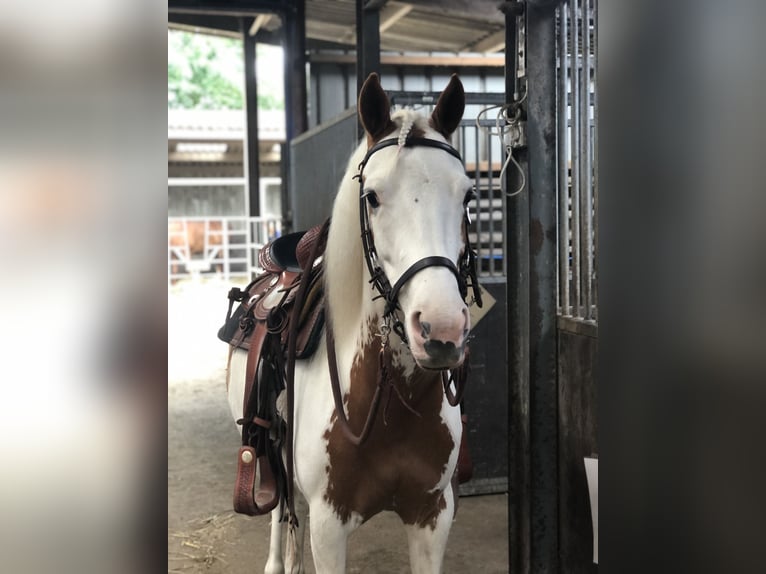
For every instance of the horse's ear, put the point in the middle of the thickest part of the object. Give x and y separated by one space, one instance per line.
449 108
375 109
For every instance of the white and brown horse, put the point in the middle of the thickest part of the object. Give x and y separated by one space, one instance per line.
414 192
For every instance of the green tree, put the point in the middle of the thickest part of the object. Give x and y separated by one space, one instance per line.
207 73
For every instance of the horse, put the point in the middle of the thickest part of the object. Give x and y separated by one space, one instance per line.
396 320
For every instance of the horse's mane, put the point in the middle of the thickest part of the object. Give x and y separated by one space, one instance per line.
344 260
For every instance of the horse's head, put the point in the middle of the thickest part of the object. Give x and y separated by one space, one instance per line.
415 197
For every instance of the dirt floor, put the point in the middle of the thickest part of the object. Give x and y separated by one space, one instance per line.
204 534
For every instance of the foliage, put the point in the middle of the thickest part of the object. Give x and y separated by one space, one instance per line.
207 73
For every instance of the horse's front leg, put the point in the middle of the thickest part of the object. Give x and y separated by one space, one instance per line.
329 538
428 542
296 536
275 565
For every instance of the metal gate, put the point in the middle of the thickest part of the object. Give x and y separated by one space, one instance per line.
223 246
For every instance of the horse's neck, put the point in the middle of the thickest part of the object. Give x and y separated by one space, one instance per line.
352 311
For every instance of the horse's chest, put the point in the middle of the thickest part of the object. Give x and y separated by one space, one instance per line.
403 466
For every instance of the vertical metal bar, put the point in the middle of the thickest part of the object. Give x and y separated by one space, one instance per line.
252 162
543 402
595 160
575 156
296 106
517 306
563 157
585 155
480 226
477 185
490 203
367 45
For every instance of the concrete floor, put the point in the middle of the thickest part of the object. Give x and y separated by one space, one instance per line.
204 534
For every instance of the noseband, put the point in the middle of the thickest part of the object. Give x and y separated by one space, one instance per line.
463 272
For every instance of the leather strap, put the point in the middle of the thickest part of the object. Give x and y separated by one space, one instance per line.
292 343
332 363
432 261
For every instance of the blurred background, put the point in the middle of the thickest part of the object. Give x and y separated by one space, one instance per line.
84 282
82 293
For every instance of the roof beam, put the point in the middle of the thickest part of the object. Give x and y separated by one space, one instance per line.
260 21
390 17
473 61
492 43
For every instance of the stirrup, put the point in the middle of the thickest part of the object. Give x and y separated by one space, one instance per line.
246 499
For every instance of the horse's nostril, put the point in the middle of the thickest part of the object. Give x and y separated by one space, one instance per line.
425 329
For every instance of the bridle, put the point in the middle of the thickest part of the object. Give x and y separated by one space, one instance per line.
464 272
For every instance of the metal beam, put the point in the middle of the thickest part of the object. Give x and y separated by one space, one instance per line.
367 44
252 161
517 305
392 14
467 61
260 21
492 43
296 102
249 8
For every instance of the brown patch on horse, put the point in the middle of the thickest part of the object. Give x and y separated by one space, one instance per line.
404 457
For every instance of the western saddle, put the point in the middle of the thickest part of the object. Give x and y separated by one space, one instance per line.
262 325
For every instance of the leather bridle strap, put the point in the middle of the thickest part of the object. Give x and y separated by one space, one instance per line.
432 261
377 276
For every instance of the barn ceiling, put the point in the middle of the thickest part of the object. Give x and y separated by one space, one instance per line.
417 26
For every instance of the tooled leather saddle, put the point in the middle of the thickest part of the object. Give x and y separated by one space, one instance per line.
265 317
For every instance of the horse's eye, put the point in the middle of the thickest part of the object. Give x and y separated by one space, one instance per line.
470 195
372 199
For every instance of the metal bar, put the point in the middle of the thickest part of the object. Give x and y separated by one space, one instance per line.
595 160
517 327
563 156
410 98
585 157
231 8
367 44
252 162
574 76
543 402
467 60
488 197
477 178
296 102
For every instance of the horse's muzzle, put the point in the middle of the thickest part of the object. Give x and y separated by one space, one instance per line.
441 355
439 345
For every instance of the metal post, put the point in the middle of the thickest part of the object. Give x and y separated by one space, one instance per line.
595 159
543 388
576 151
586 187
296 103
252 163
367 42
517 305
296 99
